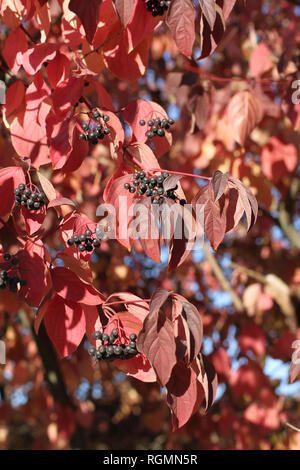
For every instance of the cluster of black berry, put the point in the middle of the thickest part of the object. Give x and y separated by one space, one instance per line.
157 7
152 187
95 129
6 280
157 127
32 199
110 351
84 242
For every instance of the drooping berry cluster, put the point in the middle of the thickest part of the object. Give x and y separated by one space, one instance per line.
96 128
25 196
84 241
157 127
157 7
6 280
152 186
112 348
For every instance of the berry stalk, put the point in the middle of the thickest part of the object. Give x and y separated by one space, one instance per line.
208 178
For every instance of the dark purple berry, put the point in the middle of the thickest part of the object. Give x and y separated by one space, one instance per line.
133 336
92 351
105 337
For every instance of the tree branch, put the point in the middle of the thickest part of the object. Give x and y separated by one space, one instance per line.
220 276
53 374
285 212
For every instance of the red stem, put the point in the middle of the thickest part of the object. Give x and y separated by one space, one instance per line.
124 302
214 78
84 100
28 34
181 173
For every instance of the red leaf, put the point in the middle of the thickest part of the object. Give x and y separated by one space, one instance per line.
58 69
78 266
244 113
219 183
278 159
158 298
295 364
140 310
208 8
121 199
248 379
14 97
71 288
14 48
247 200
181 21
265 411
133 113
281 349
116 132
65 325
185 394
47 187
206 375
78 153
34 58
92 321
209 39
123 65
33 270
141 153
184 236
104 99
260 60
156 341
171 182
88 14
28 131
138 30
60 202
124 9
252 338
33 219
67 94
40 313
221 363
10 178
193 328
139 366
147 228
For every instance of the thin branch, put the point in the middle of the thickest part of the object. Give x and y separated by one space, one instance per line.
180 173
126 302
220 276
53 375
250 272
292 427
285 212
